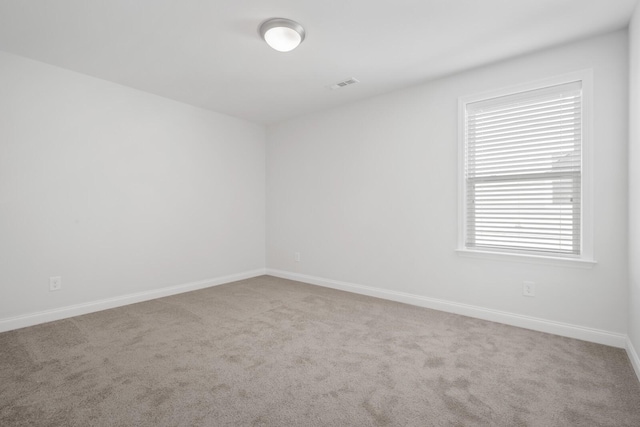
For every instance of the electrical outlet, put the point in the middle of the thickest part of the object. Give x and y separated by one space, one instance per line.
529 289
297 256
55 283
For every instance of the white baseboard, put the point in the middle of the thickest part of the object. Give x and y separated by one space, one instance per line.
557 328
633 356
17 322
542 325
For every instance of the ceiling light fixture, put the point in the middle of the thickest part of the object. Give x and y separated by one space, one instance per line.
281 34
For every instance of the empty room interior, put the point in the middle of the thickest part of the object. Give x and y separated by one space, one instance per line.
329 213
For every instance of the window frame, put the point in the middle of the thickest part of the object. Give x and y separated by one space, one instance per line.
586 257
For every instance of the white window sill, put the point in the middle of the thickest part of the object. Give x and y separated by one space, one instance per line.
529 259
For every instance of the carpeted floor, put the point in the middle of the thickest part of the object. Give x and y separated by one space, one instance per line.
273 352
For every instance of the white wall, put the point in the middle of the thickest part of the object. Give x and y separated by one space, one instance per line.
634 184
118 191
367 193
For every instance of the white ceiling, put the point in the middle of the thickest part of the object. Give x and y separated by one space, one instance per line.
208 52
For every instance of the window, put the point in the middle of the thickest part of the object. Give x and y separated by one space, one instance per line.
523 163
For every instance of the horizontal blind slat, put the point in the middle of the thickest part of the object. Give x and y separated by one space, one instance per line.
549 160
543 131
485 131
560 110
513 172
573 134
568 230
520 108
529 248
540 176
524 150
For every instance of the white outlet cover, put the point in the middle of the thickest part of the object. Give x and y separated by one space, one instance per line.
55 283
529 289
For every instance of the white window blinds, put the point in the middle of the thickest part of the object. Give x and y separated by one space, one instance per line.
523 171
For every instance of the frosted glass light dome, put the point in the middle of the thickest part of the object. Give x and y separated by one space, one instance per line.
282 34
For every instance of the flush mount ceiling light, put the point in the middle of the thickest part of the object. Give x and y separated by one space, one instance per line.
282 34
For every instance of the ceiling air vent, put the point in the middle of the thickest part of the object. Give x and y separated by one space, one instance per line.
344 83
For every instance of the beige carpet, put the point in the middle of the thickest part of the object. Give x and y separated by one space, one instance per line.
273 352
